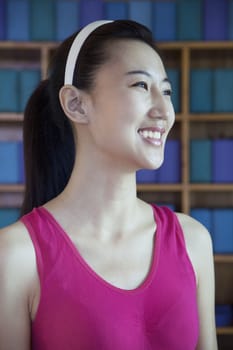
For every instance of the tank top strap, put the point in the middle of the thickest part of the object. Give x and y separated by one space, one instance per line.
172 239
171 232
45 240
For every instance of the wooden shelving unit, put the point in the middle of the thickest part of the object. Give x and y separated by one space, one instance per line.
17 188
225 330
181 55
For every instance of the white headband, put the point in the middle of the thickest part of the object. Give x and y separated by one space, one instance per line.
75 49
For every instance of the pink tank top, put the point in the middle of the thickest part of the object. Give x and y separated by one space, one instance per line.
78 310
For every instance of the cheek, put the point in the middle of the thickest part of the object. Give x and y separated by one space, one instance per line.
171 114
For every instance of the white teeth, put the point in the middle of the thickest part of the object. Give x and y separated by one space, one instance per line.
150 134
157 135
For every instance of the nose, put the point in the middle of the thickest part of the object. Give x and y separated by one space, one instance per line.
161 107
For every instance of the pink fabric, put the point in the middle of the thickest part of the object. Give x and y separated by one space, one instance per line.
78 310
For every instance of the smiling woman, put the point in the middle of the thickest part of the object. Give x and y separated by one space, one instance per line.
100 268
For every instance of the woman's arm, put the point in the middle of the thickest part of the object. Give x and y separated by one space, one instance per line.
199 247
16 272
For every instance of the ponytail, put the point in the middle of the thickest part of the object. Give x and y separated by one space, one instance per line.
49 149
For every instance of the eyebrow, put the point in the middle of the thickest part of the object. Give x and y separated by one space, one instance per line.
139 72
165 80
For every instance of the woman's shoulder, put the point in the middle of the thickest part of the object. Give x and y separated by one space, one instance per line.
13 238
17 257
194 231
17 286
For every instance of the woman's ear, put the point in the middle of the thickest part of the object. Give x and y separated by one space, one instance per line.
73 103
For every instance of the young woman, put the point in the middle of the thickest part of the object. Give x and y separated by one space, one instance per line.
89 265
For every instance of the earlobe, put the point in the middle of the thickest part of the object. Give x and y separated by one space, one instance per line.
72 103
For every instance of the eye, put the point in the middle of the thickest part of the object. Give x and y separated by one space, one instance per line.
167 92
141 84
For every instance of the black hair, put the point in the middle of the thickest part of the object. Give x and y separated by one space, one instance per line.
49 147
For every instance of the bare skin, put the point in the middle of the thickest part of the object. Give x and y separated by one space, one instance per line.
98 209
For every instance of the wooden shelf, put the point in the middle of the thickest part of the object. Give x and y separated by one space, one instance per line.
162 187
159 187
207 117
225 330
11 117
213 187
223 258
4 188
200 45
28 45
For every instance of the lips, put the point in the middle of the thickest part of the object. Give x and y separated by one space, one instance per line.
152 135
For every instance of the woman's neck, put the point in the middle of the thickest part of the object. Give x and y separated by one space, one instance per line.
98 199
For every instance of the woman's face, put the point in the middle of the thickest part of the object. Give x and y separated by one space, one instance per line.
130 111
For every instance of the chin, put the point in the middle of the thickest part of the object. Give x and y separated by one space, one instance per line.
152 164
156 162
